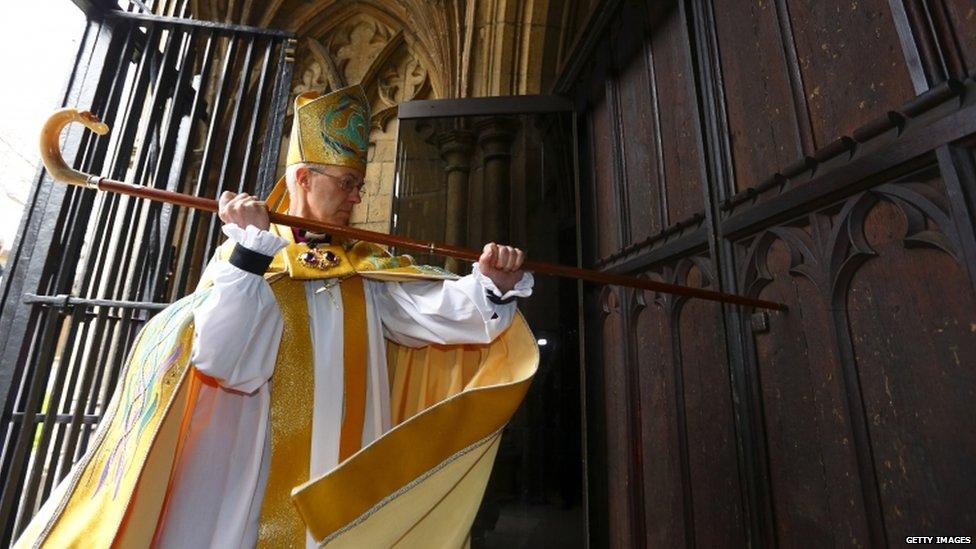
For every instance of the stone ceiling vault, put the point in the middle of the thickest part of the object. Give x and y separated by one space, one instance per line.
468 48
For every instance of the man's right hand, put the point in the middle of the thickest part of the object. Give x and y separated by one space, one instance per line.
243 210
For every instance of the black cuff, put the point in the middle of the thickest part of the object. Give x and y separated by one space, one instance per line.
497 300
249 260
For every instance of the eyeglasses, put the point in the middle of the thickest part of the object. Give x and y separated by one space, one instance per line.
346 184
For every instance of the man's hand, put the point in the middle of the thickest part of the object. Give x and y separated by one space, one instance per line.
243 210
502 264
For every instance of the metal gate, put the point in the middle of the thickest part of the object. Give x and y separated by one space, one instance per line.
195 107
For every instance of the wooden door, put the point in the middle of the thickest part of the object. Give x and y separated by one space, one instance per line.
820 154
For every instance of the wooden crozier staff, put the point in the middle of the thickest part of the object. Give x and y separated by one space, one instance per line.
60 171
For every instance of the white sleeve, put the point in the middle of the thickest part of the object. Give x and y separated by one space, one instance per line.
238 326
448 312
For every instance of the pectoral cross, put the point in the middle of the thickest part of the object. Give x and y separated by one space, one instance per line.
327 286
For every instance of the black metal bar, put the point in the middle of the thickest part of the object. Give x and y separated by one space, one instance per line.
131 119
276 117
127 332
65 301
68 403
151 137
255 116
109 116
107 211
226 28
15 402
95 9
111 249
240 98
153 73
75 430
61 418
141 5
147 263
74 233
194 216
91 394
137 253
67 236
181 270
213 230
168 156
40 449
105 263
108 205
47 268
145 266
22 447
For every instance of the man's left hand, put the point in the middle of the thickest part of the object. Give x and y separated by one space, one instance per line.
502 264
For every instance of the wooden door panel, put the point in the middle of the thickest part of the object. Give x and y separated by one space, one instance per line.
679 137
813 468
604 189
912 316
713 469
637 139
851 62
664 482
880 333
846 421
617 411
763 128
600 193
962 14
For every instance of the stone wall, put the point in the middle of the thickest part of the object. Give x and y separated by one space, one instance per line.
414 49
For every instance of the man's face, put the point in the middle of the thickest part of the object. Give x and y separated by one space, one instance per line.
327 193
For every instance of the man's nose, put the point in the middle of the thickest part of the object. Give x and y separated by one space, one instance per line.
354 196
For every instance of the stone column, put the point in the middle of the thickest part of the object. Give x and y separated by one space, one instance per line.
455 148
495 136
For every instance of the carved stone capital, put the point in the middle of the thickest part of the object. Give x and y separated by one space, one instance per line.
495 136
455 146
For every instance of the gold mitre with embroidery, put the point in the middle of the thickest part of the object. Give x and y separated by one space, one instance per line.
331 129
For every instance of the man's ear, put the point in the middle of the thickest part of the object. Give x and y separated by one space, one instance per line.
301 178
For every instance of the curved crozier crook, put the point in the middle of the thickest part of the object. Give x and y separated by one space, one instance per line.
51 145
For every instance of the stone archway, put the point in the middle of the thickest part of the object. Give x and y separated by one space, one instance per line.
414 49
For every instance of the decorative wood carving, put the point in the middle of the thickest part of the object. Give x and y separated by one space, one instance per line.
827 246
861 404
853 204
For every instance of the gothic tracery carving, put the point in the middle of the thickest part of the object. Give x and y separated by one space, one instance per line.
402 80
357 45
829 245
312 78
